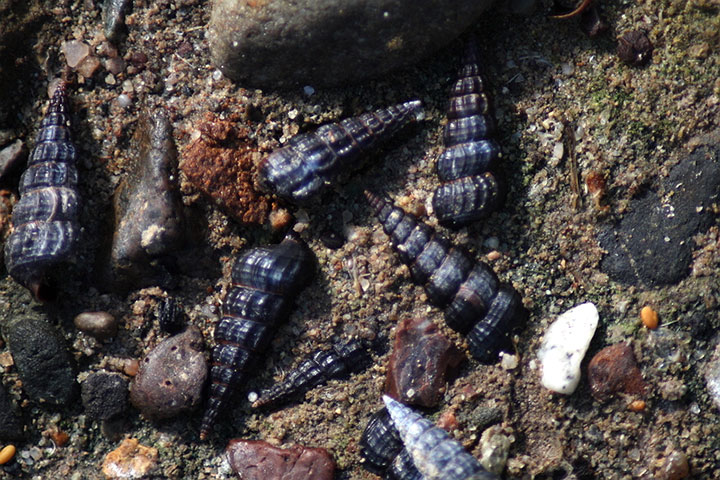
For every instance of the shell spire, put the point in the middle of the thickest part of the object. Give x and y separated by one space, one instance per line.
382 450
436 455
264 284
310 161
45 219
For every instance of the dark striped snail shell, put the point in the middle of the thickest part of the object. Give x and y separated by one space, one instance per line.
264 284
310 161
436 455
469 191
382 450
45 219
475 303
323 365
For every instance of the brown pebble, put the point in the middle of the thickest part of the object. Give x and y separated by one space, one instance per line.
130 460
420 363
634 48
171 376
448 421
613 369
99 325
89 66
58 437
280 219
637 406
131 367
258 460
676 467
649 317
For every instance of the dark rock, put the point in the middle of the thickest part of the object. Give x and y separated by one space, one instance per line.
42 360
11 425
330 42
634 48
613 369
170 316
420 363
171 377
114 12
11 159
104 395
258 460
638 246
99 325
675 467
148 209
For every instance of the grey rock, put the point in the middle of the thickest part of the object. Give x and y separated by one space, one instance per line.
171 377
42 360
652 245
104 395
99 325
11 158
275 43
11 425
114 12
148 210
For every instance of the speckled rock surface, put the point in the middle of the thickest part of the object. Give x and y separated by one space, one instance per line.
11 425
614 369
258 460
330 42
104 395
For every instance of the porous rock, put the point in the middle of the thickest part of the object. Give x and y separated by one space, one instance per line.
258 460
130 460
564 347
420 363
11 425
104 395
275 43
171 377
613 369
148 209
42 360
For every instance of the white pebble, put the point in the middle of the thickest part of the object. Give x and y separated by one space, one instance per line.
564 347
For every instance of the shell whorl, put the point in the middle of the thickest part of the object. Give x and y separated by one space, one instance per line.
264 284
475 303
382 449
310 161
469 190
45 219
436 455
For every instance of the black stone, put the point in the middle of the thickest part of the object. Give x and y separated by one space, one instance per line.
652 245
104 395
11 425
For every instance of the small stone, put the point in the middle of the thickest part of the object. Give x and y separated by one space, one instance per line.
75 52
148 210
114 12
171 376
564 347
614 370
675 467
258 460
11 425
649 317
115 65
42 360
104 395
495 445
130 460
88 66
280 219
11 158
634 48
420 363
712 376
99 325
7 453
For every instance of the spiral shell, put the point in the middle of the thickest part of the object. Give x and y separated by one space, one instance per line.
474 302
265 282
436 455
310 161
322 366
45 219
469 191
382 450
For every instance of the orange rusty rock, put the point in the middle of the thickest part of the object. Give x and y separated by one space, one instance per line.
613 369
649 317
130 460
131 367
219 163
637 405
7 454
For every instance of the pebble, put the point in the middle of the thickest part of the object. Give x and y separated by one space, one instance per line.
11 425
495 445
171 376
130 460
421 361
104 395
75 52
638 246
564 347
276 43
649 317
712 376
42 360
99 325
675 467
148 209
114 12
258 460
11 159
614 370
7 454
634 48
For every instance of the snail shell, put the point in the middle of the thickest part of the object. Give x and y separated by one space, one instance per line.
475 303
264 284
310 161
382 450
45 219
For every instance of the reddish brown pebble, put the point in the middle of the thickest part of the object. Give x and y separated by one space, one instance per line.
280 219
676 467
649 317
448 421
171 377
420 363
637 406
59 437
258 460
131 367
634 48
613 369
219 163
